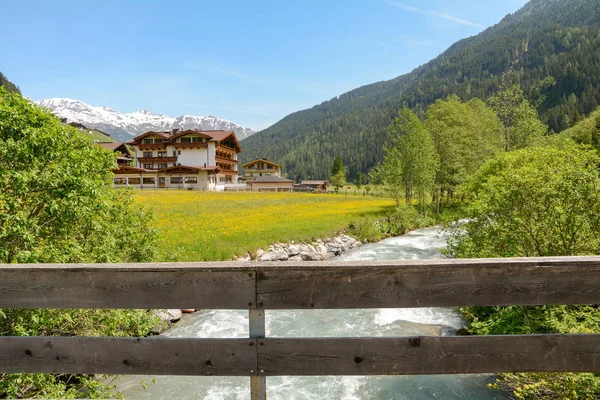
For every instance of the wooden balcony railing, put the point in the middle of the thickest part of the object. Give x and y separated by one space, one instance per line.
276 286
190 145
157 159
151 146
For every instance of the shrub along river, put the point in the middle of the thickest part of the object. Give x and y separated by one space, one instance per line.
419 244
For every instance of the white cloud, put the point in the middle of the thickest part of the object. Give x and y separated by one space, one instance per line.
433 13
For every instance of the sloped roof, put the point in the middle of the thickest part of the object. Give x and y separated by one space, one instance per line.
269 179
164 135
128 169
261 160
188 132
112 146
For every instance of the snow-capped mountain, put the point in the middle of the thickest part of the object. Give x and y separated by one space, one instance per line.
124 126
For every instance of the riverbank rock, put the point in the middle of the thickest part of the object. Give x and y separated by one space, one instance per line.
320 250
293 250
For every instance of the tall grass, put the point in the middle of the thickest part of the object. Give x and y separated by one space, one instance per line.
211 226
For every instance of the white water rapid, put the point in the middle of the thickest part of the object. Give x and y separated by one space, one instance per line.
422 243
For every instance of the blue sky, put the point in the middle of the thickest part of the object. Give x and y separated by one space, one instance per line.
252 62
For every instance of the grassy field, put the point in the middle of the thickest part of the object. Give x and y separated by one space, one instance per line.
209 226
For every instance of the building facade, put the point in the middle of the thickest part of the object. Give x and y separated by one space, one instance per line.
261 167
191 159
270 183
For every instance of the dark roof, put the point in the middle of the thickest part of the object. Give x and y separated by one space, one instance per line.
112 146
213 136
262 160
313 182
269 179
161 134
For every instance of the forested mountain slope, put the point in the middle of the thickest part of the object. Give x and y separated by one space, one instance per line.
550 47
8 85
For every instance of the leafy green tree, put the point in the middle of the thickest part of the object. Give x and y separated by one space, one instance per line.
411 157
359 179
57 205
57 202
338 173
465 135
520 120
538 201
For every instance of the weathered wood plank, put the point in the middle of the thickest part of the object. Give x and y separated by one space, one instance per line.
207 286
430 283
147 356
429 355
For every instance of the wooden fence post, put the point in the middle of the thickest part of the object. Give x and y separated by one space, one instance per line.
258 381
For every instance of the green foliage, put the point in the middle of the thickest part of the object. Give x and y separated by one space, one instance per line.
398 222
550 47
550 386
338 174
410 162
57 202
8 85
58 205
465 135
520 121
587 131
359 180
539 201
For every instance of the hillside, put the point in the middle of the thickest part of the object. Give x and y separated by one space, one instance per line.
586 131
91 134
11 87
550 47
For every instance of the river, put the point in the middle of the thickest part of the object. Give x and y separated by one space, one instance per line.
419 244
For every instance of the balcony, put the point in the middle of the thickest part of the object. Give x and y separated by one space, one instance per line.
227 171
226 160
150 160
190 145
151 146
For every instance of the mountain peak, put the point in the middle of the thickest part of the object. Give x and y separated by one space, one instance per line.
124 126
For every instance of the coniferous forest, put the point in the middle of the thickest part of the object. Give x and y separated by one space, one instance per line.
550 47
8 85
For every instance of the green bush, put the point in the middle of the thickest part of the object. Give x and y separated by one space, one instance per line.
540 201
58 205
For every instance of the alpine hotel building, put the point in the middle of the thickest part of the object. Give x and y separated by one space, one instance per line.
191 159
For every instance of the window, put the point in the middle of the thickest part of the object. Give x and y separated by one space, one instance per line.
176 180
197 139
150 180
162 166
134 181
147 166
186 140
162 153
147 154
174 153
191 179
119 181
178 152
151 141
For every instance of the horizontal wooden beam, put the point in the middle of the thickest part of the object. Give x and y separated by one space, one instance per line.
301 357
303 285
429 355
431 283
208 286
144 356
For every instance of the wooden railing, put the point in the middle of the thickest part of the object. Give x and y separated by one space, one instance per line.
260 287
